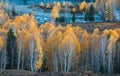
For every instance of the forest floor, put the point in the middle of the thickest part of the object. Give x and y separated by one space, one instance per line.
28 73
92 25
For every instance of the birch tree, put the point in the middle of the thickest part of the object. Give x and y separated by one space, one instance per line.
95 53
68 53
85 53
103 47
20 49
3 34
54 40
33 55
110 53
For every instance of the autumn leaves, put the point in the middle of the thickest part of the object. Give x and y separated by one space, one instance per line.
59 48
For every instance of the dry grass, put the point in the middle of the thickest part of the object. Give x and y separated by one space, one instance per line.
28 73
92 25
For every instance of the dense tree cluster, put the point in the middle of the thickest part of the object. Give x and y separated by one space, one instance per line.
105 9
24 45
20 44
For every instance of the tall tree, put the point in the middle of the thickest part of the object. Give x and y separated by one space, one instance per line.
69 50
33 53
91 13
20 48
11 50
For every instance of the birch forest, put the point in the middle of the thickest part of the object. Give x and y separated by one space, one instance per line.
49 47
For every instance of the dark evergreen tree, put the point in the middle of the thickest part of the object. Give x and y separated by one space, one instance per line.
11 48
91 13
13 12
86 15
44 66
73 17
60 19
102 69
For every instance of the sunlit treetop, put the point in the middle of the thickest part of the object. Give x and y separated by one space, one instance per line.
48 5
96 31
114 34
74 9
41 4
82 6
59 28
22 22
118 31
55 11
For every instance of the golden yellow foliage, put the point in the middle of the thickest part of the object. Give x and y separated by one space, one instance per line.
48 5
96 31
3 32
70 34
118 31
24 22
82 6
73 9
55 10
114 34
1 42
40 53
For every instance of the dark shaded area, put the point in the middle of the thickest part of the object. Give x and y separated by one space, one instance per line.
11 50
28 73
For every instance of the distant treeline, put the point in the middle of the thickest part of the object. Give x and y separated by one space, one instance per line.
45 1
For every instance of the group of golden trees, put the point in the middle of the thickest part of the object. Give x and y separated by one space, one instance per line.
24 45
71 48
20 44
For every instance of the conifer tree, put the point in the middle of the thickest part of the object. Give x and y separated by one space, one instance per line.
11 50
91 13
73 17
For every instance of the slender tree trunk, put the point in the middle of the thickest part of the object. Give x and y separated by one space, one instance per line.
4 60
19 55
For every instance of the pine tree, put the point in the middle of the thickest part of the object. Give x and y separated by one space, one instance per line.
73 18
86 15
11 50
91 13
13 12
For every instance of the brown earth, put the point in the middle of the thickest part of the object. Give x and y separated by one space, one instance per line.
92 25
28 73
